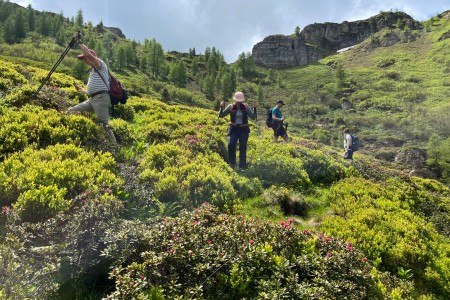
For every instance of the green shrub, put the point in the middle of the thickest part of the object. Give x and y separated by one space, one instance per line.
40 182
322 168
278 166
378 218
122 131
33 126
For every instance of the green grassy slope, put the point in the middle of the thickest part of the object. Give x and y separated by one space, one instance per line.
86 220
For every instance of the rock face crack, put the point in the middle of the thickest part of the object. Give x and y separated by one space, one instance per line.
317 41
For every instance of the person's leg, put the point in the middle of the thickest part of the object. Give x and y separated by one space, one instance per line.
243 139
101 105
84 106
232 142
286 137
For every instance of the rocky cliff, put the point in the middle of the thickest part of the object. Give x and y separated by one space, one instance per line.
317 41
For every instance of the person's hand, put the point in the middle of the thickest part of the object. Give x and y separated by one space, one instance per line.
77 87
77 37
222 104
255 105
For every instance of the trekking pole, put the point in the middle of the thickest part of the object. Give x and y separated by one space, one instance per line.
214 130
258 130
72 42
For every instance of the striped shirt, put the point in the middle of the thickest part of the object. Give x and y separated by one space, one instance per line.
95 82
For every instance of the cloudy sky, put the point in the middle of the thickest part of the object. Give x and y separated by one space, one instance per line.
232 26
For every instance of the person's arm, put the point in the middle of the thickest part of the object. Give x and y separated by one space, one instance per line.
251 112
223 112
348 142
274 116
87 54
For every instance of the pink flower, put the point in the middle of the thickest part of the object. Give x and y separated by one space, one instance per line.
6 210
290 221
251 242
174 237
209 242
321 235
327 239
141 277
365 259
283 223
349 248
196 222
306 231
329 254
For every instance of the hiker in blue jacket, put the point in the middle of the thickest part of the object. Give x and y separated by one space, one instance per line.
99 100
278 123
238 129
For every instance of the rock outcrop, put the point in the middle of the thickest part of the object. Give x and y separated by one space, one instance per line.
317 41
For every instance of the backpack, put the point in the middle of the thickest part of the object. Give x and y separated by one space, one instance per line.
355 142
117 93
269 121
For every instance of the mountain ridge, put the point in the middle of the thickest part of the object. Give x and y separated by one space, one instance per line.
319 40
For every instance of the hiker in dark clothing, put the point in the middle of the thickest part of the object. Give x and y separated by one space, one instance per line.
238 128
278 122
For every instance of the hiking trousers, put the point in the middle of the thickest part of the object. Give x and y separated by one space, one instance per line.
100 105
236 134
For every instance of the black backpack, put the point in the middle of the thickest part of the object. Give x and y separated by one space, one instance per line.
355 142
269 121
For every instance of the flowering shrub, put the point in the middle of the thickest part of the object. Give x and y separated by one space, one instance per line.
39 183
208 255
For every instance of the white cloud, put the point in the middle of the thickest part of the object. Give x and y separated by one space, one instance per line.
232 26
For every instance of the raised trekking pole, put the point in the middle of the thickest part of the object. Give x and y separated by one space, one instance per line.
72 42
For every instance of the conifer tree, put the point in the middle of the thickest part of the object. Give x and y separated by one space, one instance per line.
31 18
178 74
155 58
79 19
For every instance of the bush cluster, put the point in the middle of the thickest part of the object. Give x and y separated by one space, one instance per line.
36 127
40 183
381 219
208 255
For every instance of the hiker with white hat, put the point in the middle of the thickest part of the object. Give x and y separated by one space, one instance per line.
238 129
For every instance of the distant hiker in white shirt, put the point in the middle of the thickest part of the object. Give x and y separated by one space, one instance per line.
348 151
